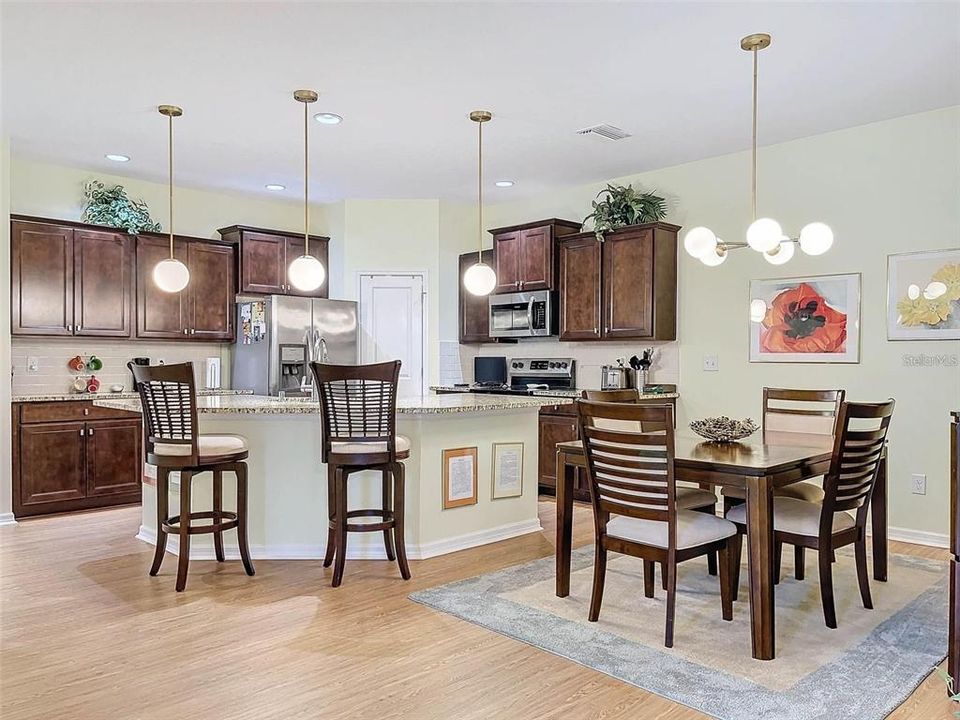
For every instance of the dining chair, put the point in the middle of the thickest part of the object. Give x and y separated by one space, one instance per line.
168 397
793 417
688 497
848 486
358 408
634 498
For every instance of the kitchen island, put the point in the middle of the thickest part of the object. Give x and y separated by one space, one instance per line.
287 498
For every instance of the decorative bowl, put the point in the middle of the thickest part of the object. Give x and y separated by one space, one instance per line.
723 429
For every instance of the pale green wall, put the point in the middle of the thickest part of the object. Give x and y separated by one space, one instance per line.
6 473
887 187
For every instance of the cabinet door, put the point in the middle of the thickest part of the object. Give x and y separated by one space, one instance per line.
580 300
51 463
553 429
103 283
159 314
506 246
536 259
211 295
628 285
319 248
113 459
474 309
263 267
41 279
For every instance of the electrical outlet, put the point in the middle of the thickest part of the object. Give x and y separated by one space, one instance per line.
33 364
919 484
711 363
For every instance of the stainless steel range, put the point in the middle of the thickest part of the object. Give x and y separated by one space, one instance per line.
528 375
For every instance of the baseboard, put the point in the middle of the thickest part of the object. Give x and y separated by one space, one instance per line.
7 519
358 548
919 537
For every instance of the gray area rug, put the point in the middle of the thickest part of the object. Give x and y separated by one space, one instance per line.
863 670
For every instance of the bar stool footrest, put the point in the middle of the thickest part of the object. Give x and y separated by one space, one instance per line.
388 520
223 520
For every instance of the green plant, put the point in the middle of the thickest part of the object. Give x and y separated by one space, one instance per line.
112 207
955 696
624 206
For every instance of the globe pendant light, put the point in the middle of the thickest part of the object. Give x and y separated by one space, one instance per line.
764 234
306 273
170 275
480 279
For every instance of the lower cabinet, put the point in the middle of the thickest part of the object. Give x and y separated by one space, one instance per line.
73 456
558 423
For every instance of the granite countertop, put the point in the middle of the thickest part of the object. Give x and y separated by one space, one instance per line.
426 405
555 393
128 395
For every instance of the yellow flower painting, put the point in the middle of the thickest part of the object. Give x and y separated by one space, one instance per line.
924 296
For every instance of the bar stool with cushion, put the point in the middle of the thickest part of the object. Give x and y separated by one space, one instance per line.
848 486
168 396
358 408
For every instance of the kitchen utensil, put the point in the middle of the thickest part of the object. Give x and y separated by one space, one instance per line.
76 363
723 429
94 363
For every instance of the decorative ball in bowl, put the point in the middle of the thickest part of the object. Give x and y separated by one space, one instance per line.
723 429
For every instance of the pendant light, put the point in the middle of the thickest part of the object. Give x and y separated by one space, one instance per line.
306 273
170 275
764 234
480 278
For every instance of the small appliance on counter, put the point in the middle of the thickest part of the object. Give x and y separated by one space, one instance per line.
616 377
212 376
143 362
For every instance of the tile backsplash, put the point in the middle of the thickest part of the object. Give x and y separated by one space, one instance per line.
53 376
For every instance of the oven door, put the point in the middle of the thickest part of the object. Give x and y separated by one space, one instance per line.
519 315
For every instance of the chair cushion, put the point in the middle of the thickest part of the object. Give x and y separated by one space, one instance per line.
207 446
796 517
693 529
801 490
693 497
362 448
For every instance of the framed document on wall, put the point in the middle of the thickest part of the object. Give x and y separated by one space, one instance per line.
459 477
507 470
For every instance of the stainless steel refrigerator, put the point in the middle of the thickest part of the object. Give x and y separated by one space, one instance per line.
278 336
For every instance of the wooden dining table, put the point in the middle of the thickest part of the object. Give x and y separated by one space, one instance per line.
756 469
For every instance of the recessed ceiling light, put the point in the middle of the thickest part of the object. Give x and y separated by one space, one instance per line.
275 187
328 118
117 158
504 183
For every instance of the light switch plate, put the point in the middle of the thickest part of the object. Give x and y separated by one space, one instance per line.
919 484
33 364
711 363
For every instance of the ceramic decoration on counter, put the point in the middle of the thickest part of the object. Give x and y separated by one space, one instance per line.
79 385
94 363
76 363
93 384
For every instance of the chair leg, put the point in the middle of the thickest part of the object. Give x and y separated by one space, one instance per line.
399 496
863 574
663 576
648 579
798 561
599 575
826 586
736 550
340 493
241 472
726 589
186 480
163 514
671 566
331 515
217 509
387 505
777 561
712 563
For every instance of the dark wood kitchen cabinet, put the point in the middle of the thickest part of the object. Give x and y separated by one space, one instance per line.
624 287
474 309
526 257
73 456
264 256
558 423
70 280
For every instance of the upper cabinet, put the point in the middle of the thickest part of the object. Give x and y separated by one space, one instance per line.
526 257
265 255
622 288
70 280
474 309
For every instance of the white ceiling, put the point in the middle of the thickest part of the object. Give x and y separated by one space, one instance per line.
84 79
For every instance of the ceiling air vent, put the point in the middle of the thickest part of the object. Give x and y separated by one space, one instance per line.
605 130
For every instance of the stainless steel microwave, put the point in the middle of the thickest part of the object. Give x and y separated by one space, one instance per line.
523 314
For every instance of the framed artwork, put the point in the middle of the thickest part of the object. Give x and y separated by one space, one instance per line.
459 477
923 295
507 478
805 319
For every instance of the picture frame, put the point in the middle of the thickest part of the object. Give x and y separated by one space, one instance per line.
923 295
459 477
506 480
808 319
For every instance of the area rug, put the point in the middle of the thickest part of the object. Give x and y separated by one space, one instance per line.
863 670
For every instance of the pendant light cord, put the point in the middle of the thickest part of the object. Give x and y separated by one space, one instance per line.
753 186
306 182
480 192
170 173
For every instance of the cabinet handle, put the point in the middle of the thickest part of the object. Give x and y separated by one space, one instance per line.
90 431
86 411
184 331
521 284
81 432
193 331
77 328
70 328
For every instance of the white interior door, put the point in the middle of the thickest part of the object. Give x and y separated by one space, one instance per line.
393 325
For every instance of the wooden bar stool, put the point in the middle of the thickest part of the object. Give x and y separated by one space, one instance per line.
358 408
169 399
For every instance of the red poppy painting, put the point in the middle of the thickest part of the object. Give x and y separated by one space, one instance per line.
805 319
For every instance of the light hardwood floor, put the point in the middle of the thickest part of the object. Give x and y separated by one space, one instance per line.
85 634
